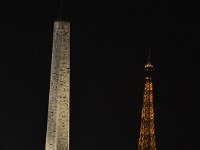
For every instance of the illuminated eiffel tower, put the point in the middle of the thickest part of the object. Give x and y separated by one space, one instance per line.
147 131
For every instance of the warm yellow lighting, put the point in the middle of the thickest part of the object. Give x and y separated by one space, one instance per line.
148 66
147 131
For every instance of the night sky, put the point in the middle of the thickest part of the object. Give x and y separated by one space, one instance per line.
109 47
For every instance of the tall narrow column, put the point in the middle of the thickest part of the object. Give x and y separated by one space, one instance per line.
57 136
147 132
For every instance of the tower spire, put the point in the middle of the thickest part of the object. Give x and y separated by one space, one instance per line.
147 139
149 59
148 66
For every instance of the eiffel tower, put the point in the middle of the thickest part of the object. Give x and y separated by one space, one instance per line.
147 131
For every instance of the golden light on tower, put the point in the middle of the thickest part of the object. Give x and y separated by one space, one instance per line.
147 131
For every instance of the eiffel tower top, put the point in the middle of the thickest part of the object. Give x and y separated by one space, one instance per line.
148 66
149 59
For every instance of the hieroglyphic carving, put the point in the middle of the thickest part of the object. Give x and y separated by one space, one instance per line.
57 137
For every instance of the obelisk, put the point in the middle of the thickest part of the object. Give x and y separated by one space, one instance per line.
57 135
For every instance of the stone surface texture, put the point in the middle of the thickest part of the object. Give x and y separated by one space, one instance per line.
57 135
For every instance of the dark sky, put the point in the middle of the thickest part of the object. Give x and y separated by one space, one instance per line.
109 43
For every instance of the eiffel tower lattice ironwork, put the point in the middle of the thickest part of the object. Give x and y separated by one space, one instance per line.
147 131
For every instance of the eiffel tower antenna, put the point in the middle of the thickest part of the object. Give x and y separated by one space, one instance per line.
149 59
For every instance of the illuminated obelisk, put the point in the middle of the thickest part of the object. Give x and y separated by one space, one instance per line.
57 136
